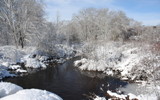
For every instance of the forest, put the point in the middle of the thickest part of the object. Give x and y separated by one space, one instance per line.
106 41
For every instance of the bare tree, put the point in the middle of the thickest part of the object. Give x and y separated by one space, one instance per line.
21 17
101 24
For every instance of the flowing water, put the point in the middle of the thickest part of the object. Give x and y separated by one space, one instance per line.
69 82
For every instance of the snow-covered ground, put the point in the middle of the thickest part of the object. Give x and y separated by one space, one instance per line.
9 91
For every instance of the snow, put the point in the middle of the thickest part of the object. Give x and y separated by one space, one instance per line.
131 96
115 59
99 98
116 95
148 97
125 60
33 63
6 64
21 71
14 66
4 72
32 94
43 58
10 54
64 51
85 64
143 91
131 60
34 60
31 57
8 89
82 61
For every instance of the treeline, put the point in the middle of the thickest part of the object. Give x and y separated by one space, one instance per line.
22 23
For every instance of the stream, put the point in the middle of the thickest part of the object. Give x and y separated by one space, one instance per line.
69 82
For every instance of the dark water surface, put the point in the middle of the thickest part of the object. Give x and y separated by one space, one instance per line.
69 82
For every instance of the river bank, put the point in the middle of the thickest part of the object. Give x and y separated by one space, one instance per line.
69 82
127 62
19 62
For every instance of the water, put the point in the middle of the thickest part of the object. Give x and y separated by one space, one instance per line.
69 82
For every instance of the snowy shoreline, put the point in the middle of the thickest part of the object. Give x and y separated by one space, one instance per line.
19 62
129 62
125 62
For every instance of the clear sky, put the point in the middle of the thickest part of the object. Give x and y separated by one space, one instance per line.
145 11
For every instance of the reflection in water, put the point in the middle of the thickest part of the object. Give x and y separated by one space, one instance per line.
68 82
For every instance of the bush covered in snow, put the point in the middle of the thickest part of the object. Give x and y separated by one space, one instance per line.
59 51
9 57
33 62
36 59
10 54
128 61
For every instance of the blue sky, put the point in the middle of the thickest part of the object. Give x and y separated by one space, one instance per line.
145 11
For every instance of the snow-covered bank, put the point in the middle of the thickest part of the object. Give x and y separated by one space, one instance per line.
9 57
99 98
32 61
38 59
133 91
111 60
9 91
19 60
4 72
127 61
130 96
